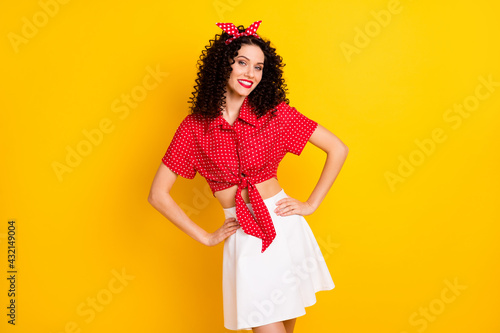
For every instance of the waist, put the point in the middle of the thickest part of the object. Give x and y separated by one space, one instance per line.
269 202
267 189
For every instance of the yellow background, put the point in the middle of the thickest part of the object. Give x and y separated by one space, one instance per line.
392 250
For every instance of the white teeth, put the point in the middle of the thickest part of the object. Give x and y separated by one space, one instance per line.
245 83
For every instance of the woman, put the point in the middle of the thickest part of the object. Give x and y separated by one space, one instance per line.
240 128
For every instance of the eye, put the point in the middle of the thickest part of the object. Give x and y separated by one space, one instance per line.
241 62
259 68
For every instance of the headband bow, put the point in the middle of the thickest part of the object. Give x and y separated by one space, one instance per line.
231 29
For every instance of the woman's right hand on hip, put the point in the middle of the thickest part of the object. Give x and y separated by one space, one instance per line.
229 227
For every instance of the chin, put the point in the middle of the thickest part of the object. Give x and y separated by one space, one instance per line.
246 92
239 91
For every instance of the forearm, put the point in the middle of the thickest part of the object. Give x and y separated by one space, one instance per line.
166 205
334 162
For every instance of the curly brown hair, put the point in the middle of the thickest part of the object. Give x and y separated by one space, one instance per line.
214 69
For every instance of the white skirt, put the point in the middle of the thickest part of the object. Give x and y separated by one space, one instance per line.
263 288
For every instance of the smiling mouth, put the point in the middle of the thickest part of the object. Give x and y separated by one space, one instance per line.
246 84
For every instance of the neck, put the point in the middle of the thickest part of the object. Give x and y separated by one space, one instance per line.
233 104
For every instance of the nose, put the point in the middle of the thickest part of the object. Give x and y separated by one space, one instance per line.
250 72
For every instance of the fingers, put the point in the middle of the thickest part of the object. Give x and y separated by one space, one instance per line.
287 211
230 226
288 208
283 208
231 222
229 232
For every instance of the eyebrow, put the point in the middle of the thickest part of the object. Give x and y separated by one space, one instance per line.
249 59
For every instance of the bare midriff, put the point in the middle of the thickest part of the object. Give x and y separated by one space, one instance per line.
267 189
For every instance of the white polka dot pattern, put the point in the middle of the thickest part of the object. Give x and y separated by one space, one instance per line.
232 30
245 153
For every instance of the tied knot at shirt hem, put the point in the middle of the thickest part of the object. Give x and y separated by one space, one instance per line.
260 226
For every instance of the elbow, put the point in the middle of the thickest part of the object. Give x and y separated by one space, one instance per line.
339 148
157 198
345 151
153 198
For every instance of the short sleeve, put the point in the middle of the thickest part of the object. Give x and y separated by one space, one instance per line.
296 128
179 155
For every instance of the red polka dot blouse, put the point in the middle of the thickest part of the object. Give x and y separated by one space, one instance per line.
245 153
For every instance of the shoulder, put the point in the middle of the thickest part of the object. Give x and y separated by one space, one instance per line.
289 116
285 109
194 125
280 110
286 112
192 121
282 107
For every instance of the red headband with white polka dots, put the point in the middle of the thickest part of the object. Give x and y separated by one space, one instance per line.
231 29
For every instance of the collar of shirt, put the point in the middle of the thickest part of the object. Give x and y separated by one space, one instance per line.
246 114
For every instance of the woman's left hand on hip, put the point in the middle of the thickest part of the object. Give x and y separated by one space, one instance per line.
291 206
